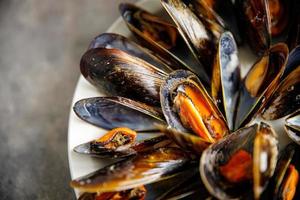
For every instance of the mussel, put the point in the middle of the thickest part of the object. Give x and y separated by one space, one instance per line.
116 41
187 107
280 13
255 23
226 80
283 184
260 83
160 36
287 92
138 193
145 168
118 73
114 112
246 157
292 126
220 114
120 142
193 31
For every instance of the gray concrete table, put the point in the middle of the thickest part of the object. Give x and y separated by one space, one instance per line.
40 47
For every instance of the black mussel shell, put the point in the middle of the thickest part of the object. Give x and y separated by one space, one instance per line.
113 112
142 169
116 41
120 74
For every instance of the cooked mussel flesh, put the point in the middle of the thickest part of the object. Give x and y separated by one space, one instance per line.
244 158
138 193
188 108
121 142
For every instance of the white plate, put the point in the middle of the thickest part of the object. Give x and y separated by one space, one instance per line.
80 131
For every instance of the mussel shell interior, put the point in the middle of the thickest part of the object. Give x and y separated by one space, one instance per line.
292 126
142 169
218 154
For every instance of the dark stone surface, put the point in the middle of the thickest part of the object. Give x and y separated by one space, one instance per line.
40 46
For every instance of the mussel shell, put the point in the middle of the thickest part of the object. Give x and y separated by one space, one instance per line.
226 77
113 112
168 88
142 169
265 155
132 16
186 141
293 38
198 38
116 41
218 13
255 23
189 187
286 98
292 63
138 147
280 15
260 82
120 74
219 153
138 193
284 161
292 126
149 25
144 29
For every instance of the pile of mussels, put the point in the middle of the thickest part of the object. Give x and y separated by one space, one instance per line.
216 128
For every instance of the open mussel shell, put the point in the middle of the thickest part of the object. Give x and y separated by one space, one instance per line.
255 23
188 187
114 143
226 78
142 169
217 15
113 112
292 126
247 156
153 32
285 158
286 98
116 41
260 83
186 141
198 38
145 24
292 63
100 150
119 74
141 24
293 38
188 108
138 193
280 16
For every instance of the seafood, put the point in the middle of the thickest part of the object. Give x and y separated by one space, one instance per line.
252 153
113 112
160 36
218 127
120 142
142 169
118 73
